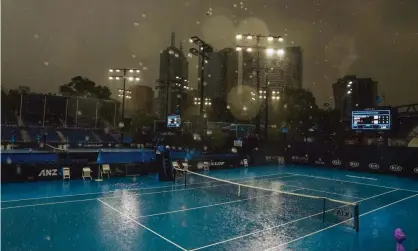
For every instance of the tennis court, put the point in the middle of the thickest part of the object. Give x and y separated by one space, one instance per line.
140 213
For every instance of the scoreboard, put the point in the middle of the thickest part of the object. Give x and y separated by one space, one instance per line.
173 121
371 120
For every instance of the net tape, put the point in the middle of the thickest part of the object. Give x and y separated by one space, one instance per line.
330 211
55 149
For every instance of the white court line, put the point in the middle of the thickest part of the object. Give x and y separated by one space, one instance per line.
211 205
119 196
45 204
343 195
287 223
147 228
108 197
324 229
352 182
138 189
361 177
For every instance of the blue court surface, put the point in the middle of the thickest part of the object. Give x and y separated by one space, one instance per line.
140 213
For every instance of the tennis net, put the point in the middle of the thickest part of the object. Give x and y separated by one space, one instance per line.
55 149
292 205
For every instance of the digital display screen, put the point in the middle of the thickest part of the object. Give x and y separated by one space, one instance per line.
173 121
371 120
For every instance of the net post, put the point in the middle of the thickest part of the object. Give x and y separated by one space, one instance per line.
239 191
323 210
185 178
356 217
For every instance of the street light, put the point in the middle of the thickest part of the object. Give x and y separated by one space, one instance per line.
202 53
131 76
264 94
258 48
127 94
208 102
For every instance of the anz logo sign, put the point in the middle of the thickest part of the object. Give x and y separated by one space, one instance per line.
343 214
354 164
48 172
395 168
374 166
336 162
416 170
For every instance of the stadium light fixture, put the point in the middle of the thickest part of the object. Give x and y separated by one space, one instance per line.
280 52
203 51
257 47
122 73
270 51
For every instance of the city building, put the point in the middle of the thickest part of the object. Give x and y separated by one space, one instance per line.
352 93
280 71
174 69
221 73
141 100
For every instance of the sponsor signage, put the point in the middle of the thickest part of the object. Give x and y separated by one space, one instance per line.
300 159
319 161
216 163
279 159
354 164
93 145
343 213
201 164
374 166
395 168
416 170
48 172
336 162
270 158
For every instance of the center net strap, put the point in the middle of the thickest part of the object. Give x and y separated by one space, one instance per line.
328 210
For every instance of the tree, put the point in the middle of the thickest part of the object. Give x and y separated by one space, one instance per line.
328 121
83 87
140 121
296 110
217 139
140 127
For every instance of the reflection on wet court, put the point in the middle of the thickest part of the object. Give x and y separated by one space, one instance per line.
260 208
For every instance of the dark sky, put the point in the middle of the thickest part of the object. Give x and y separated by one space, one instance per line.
46 42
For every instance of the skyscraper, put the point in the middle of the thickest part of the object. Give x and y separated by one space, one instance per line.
221 73
142 100
174 68
221 76
285 71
